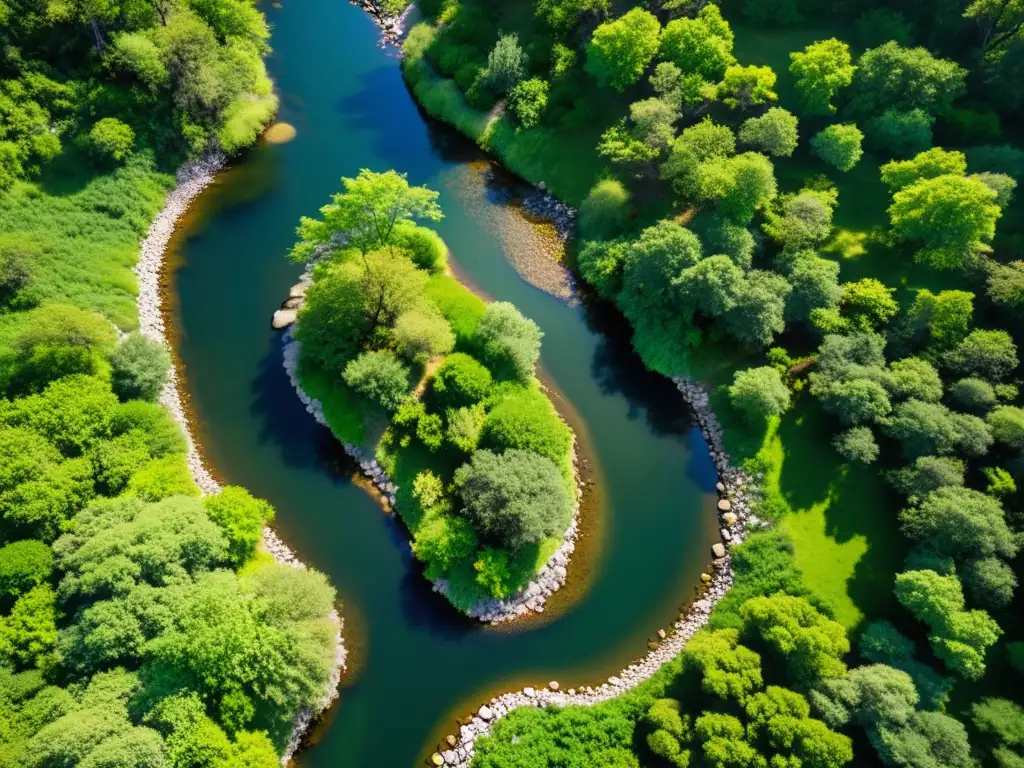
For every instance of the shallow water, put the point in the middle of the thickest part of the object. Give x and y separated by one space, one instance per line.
415 664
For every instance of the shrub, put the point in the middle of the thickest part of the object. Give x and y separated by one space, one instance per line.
621 49
162 478
839 145
506 64
759 393
509 341
1007 422
379 377
990 355
460 381
421 334
116 460
464 427
241 517
528 100
15 272
153 422
605 211
974 395
527 420
857 444
23 565
901 133
442 541
110 140
774 133
424 246
926 474
429 431
513 500
139 368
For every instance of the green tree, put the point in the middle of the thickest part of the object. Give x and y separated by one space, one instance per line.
651 264
366 215
989 581
421 334
759 393
508 340
758 314
961 523
1006 286
867 303
701 46
621 50
526 420
23 565
929 164
927 429
953 217
139 368
241 518
774 133
839 145
728 669
28 636
1007 422
990 355
901 133
528 99
815 284
604 212
563 15
379 377
460 381
110 140
891 76
442 541
743 87
857 444
506 64
820 72
515 499
974 395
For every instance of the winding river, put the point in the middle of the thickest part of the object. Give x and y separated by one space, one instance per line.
414 664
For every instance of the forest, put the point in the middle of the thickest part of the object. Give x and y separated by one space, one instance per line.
439 385
140 623
810 208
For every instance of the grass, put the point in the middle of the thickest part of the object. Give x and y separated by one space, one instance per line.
82 230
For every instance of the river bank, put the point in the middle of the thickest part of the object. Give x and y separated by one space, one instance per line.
192 179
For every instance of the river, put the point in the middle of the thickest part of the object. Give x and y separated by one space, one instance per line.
414 663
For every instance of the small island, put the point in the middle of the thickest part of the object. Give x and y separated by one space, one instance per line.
406 362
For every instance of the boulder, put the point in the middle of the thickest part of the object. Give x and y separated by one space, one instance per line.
485 713
724 505
729 518
436 759
706 578
450 740
553 685
718 549
298 290
284 317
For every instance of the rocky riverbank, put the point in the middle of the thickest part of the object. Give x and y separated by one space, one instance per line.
736 491
192 179
549 579
392 27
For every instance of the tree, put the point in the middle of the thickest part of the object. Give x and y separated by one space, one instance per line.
506 64
528 99
460 381
110 140
855 401
932 429
999 183
891 76
464 427
526 420
563 15
914 378
728 669
1007 422
133 748
974 395
989 581
990 355
422 333
28 636
620 50
839 145
241 518
366 215
759 393
23 565
946 315
867 303
953 217
802 221
508 340
139 368
1000 720
757 314
881 643
960 638
930 164
354 304
701 46
815 284
820 72
901 133
774 132
651 264
720 235
1006 286
379 377
441 541
515 499
742 185
960 523
857 444
744 87
605 210
162 478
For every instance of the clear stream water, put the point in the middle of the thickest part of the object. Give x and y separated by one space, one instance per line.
414 664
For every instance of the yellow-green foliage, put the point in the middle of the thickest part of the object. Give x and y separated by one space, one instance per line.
244 119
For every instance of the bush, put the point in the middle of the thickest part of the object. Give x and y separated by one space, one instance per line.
621 49
506 65
442 541
110 140
422 334
379 377
429 431
990 355
424 246
114 461
901 133
241 517
509 342
460 381
527 420
162 478
464 426
774 133
759 394
605 212
974 395
513 500
1007 422
162 434
139 368
528 100
23 565
839 145
857 444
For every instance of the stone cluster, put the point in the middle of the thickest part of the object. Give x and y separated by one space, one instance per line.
192 179
393 28
736 492
541 205
531 598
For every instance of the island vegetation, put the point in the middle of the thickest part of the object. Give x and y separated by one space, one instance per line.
809 208
141 625
410 364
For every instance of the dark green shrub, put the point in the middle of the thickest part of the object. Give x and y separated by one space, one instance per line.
379 377
139 368
605 212
509 342
526 420
460 381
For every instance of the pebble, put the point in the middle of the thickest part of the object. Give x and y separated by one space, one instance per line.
192 179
